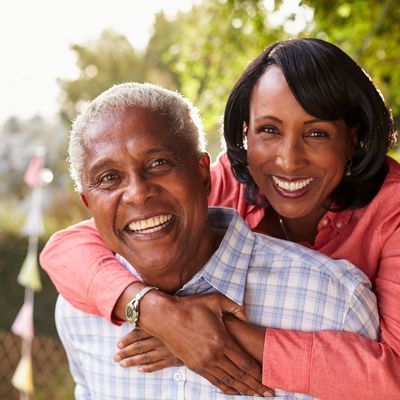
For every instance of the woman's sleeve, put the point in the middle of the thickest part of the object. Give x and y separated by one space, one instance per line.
84 270
225 190
333 365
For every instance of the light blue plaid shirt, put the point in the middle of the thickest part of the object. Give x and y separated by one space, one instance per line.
283 285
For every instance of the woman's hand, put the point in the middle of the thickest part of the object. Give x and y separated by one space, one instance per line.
192 328
148 352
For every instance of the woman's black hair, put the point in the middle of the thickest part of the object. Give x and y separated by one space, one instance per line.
329 85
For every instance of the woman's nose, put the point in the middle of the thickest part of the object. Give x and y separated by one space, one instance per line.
290 155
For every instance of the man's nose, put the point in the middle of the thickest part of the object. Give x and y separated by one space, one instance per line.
139 189
291 155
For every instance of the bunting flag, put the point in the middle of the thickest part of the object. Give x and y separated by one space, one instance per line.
32 174
34 222
22 378
29 276
23 324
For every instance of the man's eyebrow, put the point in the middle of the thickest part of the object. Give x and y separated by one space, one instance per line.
105 162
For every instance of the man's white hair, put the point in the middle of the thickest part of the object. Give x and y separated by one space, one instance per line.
184 119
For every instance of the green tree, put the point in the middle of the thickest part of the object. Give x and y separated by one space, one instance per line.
369 31
215 42
108 60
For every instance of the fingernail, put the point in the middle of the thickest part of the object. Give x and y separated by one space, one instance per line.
120 345
123 363
268 393
117 358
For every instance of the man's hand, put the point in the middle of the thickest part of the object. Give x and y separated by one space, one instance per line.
192 328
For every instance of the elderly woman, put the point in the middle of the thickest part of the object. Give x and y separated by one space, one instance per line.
307 134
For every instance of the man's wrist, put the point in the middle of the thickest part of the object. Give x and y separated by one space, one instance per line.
132 309
128 294
154 307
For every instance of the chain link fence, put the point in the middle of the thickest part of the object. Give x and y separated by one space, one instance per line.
52 380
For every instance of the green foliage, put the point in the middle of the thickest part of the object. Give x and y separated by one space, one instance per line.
111 59
370 32
216 41
202 52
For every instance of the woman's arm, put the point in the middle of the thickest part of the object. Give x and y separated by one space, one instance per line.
85 271
333 365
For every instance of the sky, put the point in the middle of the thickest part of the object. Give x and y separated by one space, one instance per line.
35 36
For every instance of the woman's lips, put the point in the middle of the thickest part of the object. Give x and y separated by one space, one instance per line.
292 189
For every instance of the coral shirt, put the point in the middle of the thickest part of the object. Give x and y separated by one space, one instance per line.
328 365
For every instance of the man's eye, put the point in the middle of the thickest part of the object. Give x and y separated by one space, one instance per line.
158 163
107 178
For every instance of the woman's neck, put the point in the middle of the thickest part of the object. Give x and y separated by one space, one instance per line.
299 230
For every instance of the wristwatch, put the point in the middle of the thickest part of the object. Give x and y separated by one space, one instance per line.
132 308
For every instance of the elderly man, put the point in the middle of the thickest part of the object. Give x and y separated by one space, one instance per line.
137 160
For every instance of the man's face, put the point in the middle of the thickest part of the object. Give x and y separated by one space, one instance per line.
147 191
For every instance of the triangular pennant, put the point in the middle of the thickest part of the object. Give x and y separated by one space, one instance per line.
34 222
29 275
32 174
23 324
22 378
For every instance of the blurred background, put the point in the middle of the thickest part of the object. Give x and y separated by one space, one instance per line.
58 55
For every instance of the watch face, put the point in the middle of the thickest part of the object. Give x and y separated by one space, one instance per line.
131 314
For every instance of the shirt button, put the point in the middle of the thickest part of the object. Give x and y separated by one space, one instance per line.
325 222
177 376
339 225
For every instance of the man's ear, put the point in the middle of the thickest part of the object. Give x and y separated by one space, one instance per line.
84 200
204 169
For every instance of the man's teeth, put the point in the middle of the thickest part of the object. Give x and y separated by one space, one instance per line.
292 186
150 225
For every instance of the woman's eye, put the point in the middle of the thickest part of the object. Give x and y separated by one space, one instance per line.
268 129
318 134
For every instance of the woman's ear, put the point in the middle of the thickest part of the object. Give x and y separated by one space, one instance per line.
353 141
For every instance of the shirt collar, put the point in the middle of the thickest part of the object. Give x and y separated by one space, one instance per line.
227 269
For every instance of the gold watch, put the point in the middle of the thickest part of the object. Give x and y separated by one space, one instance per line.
132 308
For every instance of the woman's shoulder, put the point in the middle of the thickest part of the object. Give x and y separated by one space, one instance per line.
389 191
386 203
393 175
226 191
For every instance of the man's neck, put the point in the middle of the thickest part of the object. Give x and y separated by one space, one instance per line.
172 282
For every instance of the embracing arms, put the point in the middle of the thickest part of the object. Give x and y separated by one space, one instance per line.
87 274
326 364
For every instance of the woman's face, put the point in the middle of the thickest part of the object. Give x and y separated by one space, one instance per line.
296 160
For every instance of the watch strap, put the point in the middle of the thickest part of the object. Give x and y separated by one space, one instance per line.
132 308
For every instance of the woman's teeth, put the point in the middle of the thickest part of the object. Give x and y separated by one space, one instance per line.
150 225
291 186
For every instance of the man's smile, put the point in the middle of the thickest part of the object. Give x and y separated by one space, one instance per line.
150 225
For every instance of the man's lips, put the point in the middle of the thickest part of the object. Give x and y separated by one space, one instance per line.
150 225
